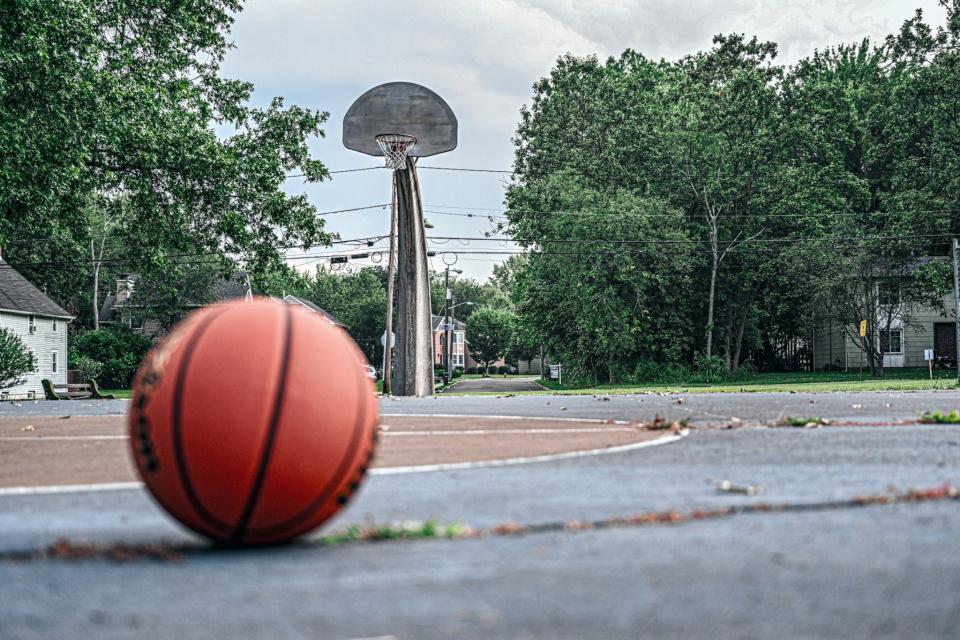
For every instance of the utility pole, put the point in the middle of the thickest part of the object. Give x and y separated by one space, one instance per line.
391 273
956 303
447 303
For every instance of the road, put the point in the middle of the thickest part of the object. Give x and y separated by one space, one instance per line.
494 384
854 572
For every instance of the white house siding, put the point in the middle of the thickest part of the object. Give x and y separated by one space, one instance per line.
43 342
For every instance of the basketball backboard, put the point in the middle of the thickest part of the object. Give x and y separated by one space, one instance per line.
400 108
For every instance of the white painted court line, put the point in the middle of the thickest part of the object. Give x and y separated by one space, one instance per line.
442 432
456 466
47 438
485 417
486 432
69 488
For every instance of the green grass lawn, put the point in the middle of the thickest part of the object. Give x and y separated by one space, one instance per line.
121 394
893 380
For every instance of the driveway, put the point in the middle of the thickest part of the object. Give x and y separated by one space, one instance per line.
497 384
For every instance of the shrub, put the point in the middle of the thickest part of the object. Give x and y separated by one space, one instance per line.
503 369
87 368
16 360
472 371
457 372
118 349
648 371
710 370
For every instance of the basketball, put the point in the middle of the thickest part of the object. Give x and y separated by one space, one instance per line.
253 422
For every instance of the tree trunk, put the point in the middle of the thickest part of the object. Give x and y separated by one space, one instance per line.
96 287
728 336
738 344
713 288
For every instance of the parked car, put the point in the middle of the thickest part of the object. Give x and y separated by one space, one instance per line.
371 371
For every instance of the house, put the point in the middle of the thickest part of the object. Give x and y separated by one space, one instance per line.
461 347
460 356
117 308
292 299
42 325
902 340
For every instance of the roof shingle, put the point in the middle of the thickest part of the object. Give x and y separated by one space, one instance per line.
18 294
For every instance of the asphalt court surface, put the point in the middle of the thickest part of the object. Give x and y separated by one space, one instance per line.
887 571
50 451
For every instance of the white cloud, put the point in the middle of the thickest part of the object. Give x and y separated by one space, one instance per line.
483 56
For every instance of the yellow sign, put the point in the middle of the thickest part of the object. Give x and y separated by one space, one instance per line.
863 328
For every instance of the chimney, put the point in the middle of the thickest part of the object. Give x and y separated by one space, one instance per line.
124 288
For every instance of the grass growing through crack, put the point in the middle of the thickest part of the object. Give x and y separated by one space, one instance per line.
401 531
941 418
814 421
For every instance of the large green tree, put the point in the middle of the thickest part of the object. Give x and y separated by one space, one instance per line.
121 102
488 334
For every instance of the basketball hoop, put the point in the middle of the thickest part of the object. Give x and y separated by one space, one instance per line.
395 147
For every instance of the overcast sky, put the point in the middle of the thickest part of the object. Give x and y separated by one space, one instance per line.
483 56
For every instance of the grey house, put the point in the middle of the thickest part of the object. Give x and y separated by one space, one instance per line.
42 325
902 344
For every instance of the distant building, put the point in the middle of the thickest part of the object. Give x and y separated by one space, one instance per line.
118 309
42 325
294 300
902 343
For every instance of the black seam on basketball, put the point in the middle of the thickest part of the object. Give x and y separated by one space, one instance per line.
254 497
183 472
334 482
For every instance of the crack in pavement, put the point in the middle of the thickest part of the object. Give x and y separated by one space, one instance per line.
64 549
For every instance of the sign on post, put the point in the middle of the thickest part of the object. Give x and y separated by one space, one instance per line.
863 328
556 372
928 356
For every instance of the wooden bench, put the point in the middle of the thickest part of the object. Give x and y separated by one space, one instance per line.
78 391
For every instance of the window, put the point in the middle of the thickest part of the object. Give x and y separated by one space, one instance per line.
458 360
54 364
458 337
31 324
136 322
888 293
891 341
54 324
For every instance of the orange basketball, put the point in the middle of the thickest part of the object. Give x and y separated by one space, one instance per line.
253 422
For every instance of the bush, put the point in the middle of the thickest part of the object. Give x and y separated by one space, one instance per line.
457 372
87 368
648 371
118 349
710 370
472 371
16 360
503 369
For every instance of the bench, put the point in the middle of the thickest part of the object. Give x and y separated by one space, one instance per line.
78 391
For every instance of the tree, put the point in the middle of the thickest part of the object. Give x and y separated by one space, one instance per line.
123 101
359 300
488 334
16 360
596 289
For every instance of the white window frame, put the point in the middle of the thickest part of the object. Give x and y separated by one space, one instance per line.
54 361
31 324
54 325
889 332
458 337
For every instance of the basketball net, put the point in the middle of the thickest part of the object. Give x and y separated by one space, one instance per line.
395 147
